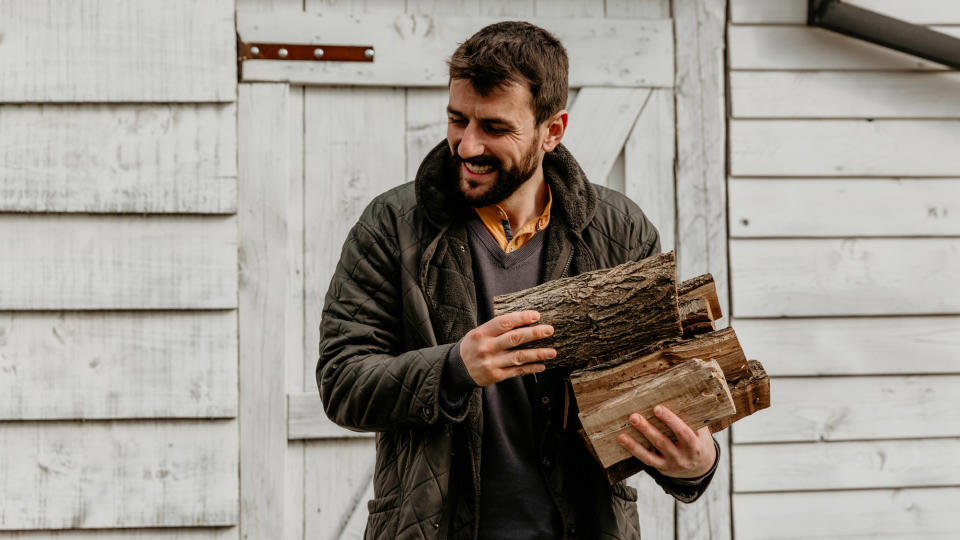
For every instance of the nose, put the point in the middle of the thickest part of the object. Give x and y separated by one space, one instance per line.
471 143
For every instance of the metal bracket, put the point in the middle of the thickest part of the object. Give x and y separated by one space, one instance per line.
892 33
315 53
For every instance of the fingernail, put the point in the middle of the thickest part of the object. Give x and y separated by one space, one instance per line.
622 439
657 410
552 353
535 316
634 418
548 331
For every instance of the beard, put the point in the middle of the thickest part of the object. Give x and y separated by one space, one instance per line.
507 180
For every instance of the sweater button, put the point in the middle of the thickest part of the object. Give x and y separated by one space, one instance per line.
436 524
545 400
547 462
426 412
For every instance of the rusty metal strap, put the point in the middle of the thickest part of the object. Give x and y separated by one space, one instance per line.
316 53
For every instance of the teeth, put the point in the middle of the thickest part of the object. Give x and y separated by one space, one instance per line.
477 169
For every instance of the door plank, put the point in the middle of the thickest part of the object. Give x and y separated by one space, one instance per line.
649 156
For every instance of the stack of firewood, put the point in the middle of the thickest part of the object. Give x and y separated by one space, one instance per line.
639 339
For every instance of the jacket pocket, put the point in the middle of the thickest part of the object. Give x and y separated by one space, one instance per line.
382 518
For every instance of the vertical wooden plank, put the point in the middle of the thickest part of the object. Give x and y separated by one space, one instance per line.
355 6
701 211
569 8
264 158
426 124
507 8
647 9
648 164
349 468
655 507
355 150
444 7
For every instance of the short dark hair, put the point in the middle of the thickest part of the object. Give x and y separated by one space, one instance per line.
515 52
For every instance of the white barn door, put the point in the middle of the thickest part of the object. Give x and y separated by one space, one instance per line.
319 140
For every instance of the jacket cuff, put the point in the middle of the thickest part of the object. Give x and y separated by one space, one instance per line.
686 490
456 386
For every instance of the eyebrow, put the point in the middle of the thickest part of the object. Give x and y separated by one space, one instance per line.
494 120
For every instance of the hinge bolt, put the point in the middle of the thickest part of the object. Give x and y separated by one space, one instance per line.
282 53
255 51
318 53
368 53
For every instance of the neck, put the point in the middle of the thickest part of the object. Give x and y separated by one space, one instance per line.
527 202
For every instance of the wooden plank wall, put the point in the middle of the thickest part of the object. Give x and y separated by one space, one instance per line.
626 138
844 224
118 283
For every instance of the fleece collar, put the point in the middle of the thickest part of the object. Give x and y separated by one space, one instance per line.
574 198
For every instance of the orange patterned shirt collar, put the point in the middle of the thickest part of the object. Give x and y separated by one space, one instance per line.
493 218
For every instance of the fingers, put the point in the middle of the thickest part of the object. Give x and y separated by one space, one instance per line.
524 356
641 453
508 321
519 336
656 437
525 369
685 435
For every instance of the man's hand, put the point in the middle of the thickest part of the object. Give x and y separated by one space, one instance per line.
690 457
485 349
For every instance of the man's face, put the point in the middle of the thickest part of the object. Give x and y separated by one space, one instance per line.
494 140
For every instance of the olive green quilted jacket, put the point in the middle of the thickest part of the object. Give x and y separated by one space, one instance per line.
402 295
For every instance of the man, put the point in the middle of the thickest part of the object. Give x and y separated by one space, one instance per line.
474 439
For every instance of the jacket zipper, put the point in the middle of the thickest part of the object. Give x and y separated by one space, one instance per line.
566 266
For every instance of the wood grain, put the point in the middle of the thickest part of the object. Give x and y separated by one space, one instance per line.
117 365
118 262
65 475
347 464
411 48
858 346
844 465
118 158
897 513
875 276
197 533
833 207
830 94
306 420
603 314
844 148
849 408
426 124
795 11
649 156
117 50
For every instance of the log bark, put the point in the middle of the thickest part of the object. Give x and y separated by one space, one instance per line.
695 390
599 383
703 287
598 315
695 317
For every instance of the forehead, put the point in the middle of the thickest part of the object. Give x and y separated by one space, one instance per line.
513 101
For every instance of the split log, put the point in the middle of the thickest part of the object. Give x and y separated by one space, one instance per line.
695 390
598 315
599 383
695 317
702 287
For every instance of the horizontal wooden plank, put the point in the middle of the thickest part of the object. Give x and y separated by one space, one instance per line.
795 11
118 365
873 276
206 533
844 465
117 262
844 147
846 408
118 158
802 47
832 207
102 50
411 49
831 94
930 514
857 346
306 420
59 475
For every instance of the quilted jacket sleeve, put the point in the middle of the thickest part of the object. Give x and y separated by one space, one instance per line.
367 381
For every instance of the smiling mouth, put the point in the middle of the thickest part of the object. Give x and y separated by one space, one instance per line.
478 169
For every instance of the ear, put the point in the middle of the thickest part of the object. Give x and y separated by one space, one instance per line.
555 126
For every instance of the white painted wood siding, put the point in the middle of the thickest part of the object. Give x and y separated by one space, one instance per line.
118 329
842 196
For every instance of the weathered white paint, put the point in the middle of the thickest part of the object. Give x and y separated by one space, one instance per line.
653 9
853 346
348 465
426 124
845 408
72 475
117 50
118 158
930 514
306 420
649 156
117 262
795 11
831 94
825 207
264 267
206 533
845 465
701 208
655 507
802 47
600 121
353 151
411 48
570 8
355 7
881 276
118 365
844 148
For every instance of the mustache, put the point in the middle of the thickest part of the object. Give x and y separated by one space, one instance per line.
477 161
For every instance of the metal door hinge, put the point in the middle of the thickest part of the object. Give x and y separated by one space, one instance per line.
315 53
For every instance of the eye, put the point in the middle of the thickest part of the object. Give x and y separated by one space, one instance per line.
496 130
457 121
